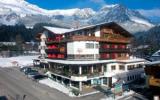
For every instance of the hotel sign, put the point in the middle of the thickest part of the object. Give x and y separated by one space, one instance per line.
118 89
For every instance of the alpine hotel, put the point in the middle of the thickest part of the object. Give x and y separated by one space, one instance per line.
89 56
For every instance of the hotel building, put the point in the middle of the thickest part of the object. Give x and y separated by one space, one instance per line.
89 56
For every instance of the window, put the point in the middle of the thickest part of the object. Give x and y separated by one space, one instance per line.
139 66
130 67
121 67
123 55
97 45
115 46
128 78
90 45
113 67
112 46
114 55
108 55
106 46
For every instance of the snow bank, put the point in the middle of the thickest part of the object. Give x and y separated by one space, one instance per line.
20 60
5 62
55 85
125 94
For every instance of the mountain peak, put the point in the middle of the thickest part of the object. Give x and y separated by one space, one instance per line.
11 1
30 14
106 7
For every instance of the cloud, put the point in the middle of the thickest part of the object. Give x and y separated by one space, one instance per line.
150 12
99 2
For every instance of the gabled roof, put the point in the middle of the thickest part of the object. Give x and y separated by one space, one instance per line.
111 25
153 63
57 30
156 54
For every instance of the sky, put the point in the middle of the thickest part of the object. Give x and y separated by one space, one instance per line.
149 8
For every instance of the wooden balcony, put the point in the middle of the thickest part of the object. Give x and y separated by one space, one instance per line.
56 50
106 30
99 39
114 50
111 39
83 38
55 42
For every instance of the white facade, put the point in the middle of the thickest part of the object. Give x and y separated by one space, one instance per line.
42 46
79 48
97 32
124 73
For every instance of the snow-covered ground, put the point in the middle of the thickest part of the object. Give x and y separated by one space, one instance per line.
125 94
20 60
49 82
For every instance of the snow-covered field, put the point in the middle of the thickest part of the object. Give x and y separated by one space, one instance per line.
20 60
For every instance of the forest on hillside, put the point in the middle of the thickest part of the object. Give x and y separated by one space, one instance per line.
9 33
150 38
20 35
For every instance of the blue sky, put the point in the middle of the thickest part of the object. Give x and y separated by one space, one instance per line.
95 4
149 8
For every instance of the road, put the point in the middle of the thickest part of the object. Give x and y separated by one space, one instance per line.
134 96
14 84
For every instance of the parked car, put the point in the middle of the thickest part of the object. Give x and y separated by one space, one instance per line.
30 71
23 69
31 74
38 77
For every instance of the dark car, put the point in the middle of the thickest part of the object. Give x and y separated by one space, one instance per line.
24 68
39 77
30 71
31 74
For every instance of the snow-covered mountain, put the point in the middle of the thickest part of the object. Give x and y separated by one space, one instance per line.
132 20
20 11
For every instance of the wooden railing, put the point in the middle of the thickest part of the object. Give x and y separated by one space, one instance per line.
114 50
93 38
101 39
83 38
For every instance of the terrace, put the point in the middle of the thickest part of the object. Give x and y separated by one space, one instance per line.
88 71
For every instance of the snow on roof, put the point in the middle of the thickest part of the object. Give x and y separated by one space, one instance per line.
64 30
156 53
57 30
132 60
79 62
101 24
153 63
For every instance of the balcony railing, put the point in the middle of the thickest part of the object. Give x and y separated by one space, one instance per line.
101 39
114 50
68 74
92 38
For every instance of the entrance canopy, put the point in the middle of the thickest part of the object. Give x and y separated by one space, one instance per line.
85 62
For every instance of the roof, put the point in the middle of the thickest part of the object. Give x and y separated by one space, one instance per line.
157 53
153 63
79 62
111 25
57 30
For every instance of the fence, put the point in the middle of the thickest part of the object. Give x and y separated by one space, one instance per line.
17 53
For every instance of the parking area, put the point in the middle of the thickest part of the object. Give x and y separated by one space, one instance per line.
32 73
16 84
